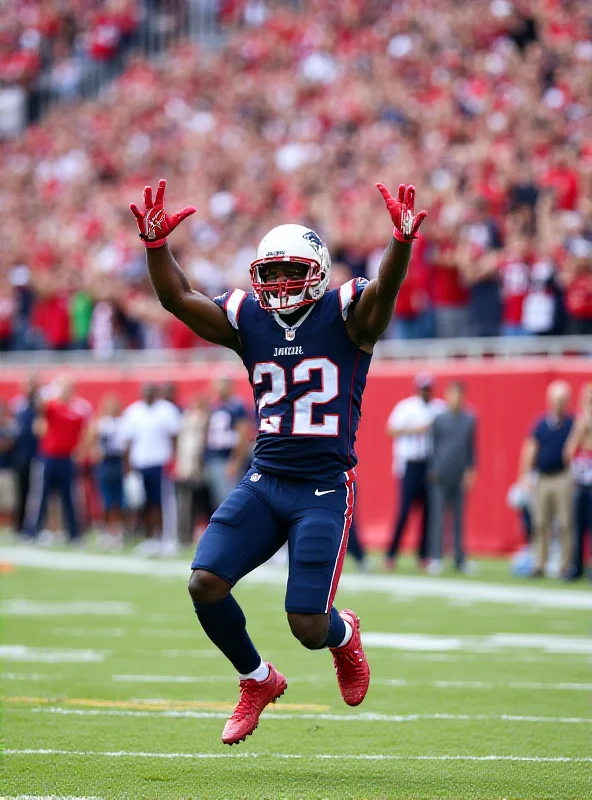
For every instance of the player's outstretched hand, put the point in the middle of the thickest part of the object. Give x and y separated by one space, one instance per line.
154 223
402 212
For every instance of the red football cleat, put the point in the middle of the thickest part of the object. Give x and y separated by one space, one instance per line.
254 696
351 665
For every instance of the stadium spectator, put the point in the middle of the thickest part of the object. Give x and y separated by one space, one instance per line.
193 501
544 454
451 475
61 423
514 267
106 448
25 409
287 120
449 291
578 452
7 441
228 438
149 428
409 424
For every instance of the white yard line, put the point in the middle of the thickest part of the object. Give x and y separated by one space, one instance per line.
407 586
88 633
51 608
279 715
173 679
525 685
281 756
425 642
23 676
45 655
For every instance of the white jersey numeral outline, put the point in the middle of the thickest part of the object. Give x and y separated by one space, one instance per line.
302 423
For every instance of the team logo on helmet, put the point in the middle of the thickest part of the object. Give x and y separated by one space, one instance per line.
315 242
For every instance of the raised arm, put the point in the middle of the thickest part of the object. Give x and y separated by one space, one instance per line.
170 283
373 313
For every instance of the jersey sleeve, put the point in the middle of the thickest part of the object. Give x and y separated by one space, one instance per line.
350 293
231 304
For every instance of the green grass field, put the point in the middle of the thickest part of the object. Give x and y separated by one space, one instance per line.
112 691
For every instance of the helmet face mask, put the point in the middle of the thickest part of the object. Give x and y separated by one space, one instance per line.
291 269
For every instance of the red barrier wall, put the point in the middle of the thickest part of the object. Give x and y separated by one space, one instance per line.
506 395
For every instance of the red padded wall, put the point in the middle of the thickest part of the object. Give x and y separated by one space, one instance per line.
506 395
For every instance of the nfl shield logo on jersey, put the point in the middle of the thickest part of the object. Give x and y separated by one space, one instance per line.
290 334
255 477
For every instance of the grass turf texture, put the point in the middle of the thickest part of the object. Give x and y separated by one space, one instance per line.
90 711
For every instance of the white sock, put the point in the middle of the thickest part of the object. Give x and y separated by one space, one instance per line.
259 674
348 633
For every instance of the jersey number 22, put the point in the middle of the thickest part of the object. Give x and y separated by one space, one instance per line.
302 424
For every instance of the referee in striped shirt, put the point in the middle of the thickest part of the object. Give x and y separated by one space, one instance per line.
410 425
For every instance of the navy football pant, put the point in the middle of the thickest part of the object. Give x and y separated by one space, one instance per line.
58 476
414 489
263 513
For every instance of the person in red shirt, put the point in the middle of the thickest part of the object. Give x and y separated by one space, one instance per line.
578 287
450 296
514 269
62 420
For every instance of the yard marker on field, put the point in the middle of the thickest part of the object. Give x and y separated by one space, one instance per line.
173 679
281 715
399 586
422 642
151 705
87 633
46 655
46 797
23 676
281 756
52 608
529 685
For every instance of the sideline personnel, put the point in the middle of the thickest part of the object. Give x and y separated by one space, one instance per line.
451 475
60 424
544 453
409 424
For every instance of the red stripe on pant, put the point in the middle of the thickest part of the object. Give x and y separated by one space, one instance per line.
347 520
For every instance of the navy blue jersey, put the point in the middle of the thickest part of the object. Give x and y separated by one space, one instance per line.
222 435
307 383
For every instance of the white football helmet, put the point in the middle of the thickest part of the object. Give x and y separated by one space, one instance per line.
290 244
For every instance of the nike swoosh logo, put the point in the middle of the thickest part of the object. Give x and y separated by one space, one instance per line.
327 491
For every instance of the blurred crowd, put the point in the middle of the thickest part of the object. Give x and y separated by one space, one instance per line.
153 470
485 105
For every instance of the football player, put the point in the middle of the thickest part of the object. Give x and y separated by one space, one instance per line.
307 351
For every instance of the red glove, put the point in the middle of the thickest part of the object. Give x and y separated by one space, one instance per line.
155 224
402 213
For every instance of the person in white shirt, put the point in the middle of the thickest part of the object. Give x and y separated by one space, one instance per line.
410 426
149 428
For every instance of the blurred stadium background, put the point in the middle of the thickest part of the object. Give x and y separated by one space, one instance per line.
260 112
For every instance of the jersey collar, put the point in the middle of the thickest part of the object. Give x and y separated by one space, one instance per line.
290 330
